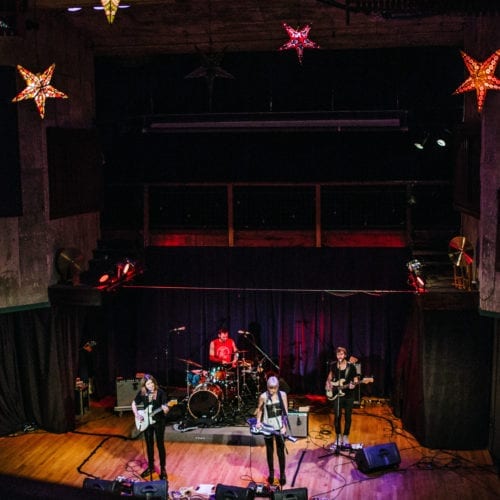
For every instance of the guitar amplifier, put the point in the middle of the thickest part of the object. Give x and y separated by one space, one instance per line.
126 391
299 423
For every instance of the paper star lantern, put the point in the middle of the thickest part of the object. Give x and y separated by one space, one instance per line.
38 88
481 77
299 40
210 69
110 8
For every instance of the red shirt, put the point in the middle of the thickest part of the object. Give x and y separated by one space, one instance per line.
224 350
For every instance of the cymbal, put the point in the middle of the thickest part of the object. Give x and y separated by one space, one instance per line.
242 351
244 363
461 251
189 362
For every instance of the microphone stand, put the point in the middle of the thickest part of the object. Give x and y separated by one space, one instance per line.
252 341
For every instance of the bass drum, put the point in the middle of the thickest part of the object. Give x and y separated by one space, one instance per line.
206 401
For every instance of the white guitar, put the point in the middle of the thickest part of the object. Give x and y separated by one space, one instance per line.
145 417
267 430
340 385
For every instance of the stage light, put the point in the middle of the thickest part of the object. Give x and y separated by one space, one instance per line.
443 138
416 278
69 264
421 141
414 265
109 273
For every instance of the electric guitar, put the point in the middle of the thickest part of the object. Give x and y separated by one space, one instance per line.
267 430
147 416
340 384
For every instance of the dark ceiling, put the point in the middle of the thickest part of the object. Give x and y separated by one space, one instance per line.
177 26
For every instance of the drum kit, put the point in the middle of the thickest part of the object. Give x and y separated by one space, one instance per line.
222 390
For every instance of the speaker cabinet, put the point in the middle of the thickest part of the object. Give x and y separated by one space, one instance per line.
224 492
101 485
379 457
126 391
157 490
293 494
299 423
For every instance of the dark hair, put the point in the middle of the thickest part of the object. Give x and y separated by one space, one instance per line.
145 378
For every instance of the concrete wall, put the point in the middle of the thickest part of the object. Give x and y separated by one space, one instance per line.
28 243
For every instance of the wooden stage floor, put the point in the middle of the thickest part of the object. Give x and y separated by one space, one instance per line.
104 445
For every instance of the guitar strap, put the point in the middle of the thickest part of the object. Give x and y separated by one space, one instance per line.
284 418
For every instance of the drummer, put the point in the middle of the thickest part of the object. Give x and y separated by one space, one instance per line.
223 351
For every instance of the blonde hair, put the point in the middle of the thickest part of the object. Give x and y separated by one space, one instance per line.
273 382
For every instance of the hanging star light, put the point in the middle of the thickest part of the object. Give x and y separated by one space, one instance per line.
38 88
481 77
110 9
210 69
299 40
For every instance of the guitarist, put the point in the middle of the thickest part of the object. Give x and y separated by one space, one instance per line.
272 410
341 381
153 398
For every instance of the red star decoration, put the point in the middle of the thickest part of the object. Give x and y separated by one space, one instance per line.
481 77
299 40
38 88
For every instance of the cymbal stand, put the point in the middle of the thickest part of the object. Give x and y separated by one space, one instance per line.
187 381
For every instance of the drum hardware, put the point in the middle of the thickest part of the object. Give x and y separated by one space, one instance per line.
188 363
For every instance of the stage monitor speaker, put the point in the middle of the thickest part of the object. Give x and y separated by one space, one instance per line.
379 457
102 485
157 490
299 423
292 494
126 391
224 492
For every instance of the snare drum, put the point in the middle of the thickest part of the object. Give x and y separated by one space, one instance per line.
206 401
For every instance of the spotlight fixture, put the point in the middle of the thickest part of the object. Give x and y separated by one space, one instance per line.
442 138
416 278
421 142
107 273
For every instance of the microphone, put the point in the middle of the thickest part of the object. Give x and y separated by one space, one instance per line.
243 332
180 329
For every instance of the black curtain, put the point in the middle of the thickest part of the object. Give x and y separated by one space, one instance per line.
298 331
443 374
40 357
297 303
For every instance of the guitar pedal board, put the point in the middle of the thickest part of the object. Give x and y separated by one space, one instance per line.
262 489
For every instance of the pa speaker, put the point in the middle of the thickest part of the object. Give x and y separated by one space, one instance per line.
379 457
224 492
157 490
293 494
102 485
